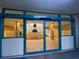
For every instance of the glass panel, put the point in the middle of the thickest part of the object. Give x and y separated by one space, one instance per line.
52 35
41 14
66 27
65 16
13 27
13 12
34 41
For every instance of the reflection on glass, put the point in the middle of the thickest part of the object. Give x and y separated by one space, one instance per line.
65 16
34 41
13 12
52 41
13 27
41 14
66 27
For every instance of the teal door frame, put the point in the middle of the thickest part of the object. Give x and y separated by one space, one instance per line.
25 17
44 42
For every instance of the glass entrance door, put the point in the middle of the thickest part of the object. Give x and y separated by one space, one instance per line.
34 36
52 36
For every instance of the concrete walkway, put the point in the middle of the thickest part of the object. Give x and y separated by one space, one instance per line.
60 55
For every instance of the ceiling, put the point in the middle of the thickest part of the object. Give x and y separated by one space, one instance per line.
49 6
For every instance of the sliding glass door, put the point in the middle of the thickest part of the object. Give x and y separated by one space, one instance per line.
34 36
52 36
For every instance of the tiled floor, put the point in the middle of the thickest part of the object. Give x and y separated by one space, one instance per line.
60 55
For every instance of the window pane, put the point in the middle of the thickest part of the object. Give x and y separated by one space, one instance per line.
13 12
34 41
52 35
41 14
65 16
66 27
13 27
